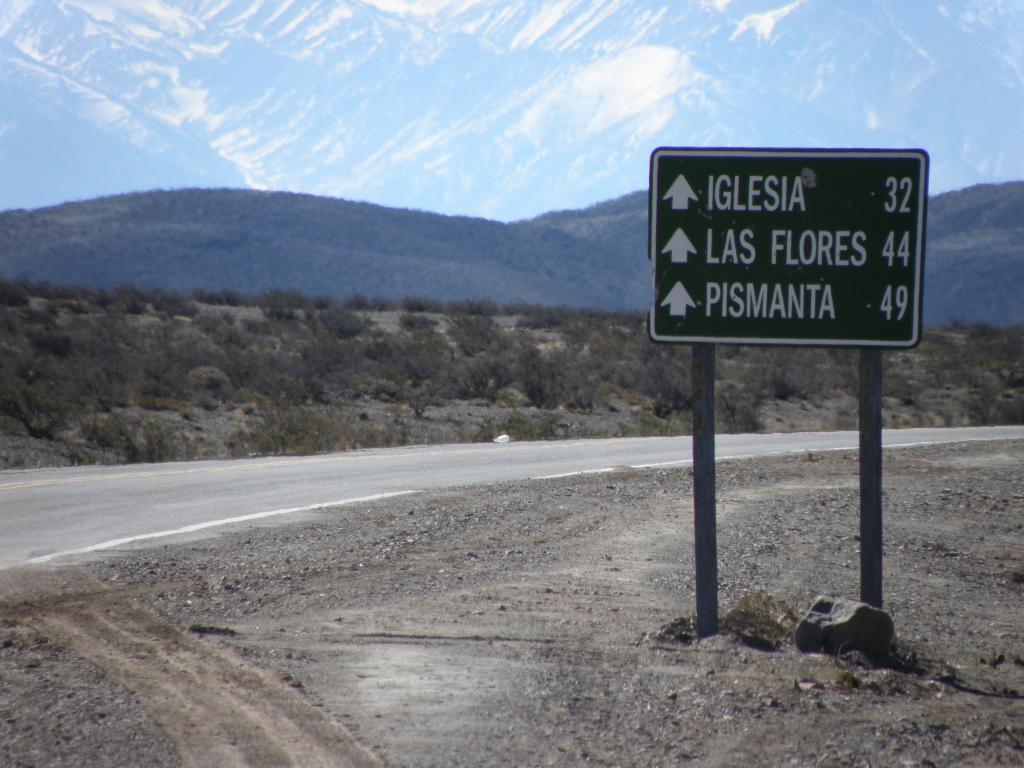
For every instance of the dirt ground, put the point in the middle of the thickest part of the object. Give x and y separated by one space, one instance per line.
522 624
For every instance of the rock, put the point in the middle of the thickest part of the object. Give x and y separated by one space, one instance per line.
837 625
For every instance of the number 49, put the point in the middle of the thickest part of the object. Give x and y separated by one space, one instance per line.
895 301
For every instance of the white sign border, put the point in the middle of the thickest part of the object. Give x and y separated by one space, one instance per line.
761 153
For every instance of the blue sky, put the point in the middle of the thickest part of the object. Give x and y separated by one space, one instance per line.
498 109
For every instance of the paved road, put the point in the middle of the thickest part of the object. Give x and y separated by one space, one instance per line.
48 513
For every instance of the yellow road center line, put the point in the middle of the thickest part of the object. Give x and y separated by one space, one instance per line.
173 472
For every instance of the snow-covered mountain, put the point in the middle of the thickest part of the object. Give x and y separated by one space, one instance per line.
497 108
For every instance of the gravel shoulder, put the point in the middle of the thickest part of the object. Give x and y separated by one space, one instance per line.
520 624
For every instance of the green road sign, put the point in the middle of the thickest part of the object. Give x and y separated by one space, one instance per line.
804 247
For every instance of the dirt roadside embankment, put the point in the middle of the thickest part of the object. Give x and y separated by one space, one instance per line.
518 625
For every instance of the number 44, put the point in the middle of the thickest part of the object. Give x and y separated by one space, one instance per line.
891 252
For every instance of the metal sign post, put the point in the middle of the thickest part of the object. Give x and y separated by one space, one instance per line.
704 523
795 247
870 410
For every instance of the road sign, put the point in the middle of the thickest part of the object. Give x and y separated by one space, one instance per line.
804 247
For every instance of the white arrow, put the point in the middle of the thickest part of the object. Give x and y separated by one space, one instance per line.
680 247
678 300
681 193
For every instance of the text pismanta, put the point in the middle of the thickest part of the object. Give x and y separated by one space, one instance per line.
812 301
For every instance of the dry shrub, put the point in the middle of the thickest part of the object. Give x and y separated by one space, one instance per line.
681 631
134 440
291 429
153 403
761 621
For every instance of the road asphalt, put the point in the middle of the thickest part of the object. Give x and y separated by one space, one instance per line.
52 514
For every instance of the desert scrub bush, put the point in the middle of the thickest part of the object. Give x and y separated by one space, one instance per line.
10 327
224 297
518 425
172 304
542 318
13 294
666 379
580 387
419 304
163 404
363 303
421 397
617 356
473 334
781 378
427 364
536 426
539 377
330 364
209 380
341 323
289 429
578 331
983 398
163 441
901 386
124 299
409 321
112 432
41 404
96 385
481 377
1009 409
283 305
736 410
75 307
53 343
761 622
366 433
416 359
257 327
480 307
944 357
41 314
219 326
135 440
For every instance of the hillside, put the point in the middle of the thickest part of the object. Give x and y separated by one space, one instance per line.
254 242
119 376
975 262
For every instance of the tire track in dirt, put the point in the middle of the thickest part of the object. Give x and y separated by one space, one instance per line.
213 707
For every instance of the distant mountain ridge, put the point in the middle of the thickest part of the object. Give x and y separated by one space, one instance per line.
252 241
497 108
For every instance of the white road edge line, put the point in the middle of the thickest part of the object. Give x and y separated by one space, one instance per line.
602 471
675 463
214 523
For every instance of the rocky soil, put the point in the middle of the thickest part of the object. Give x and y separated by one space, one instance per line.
537 623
